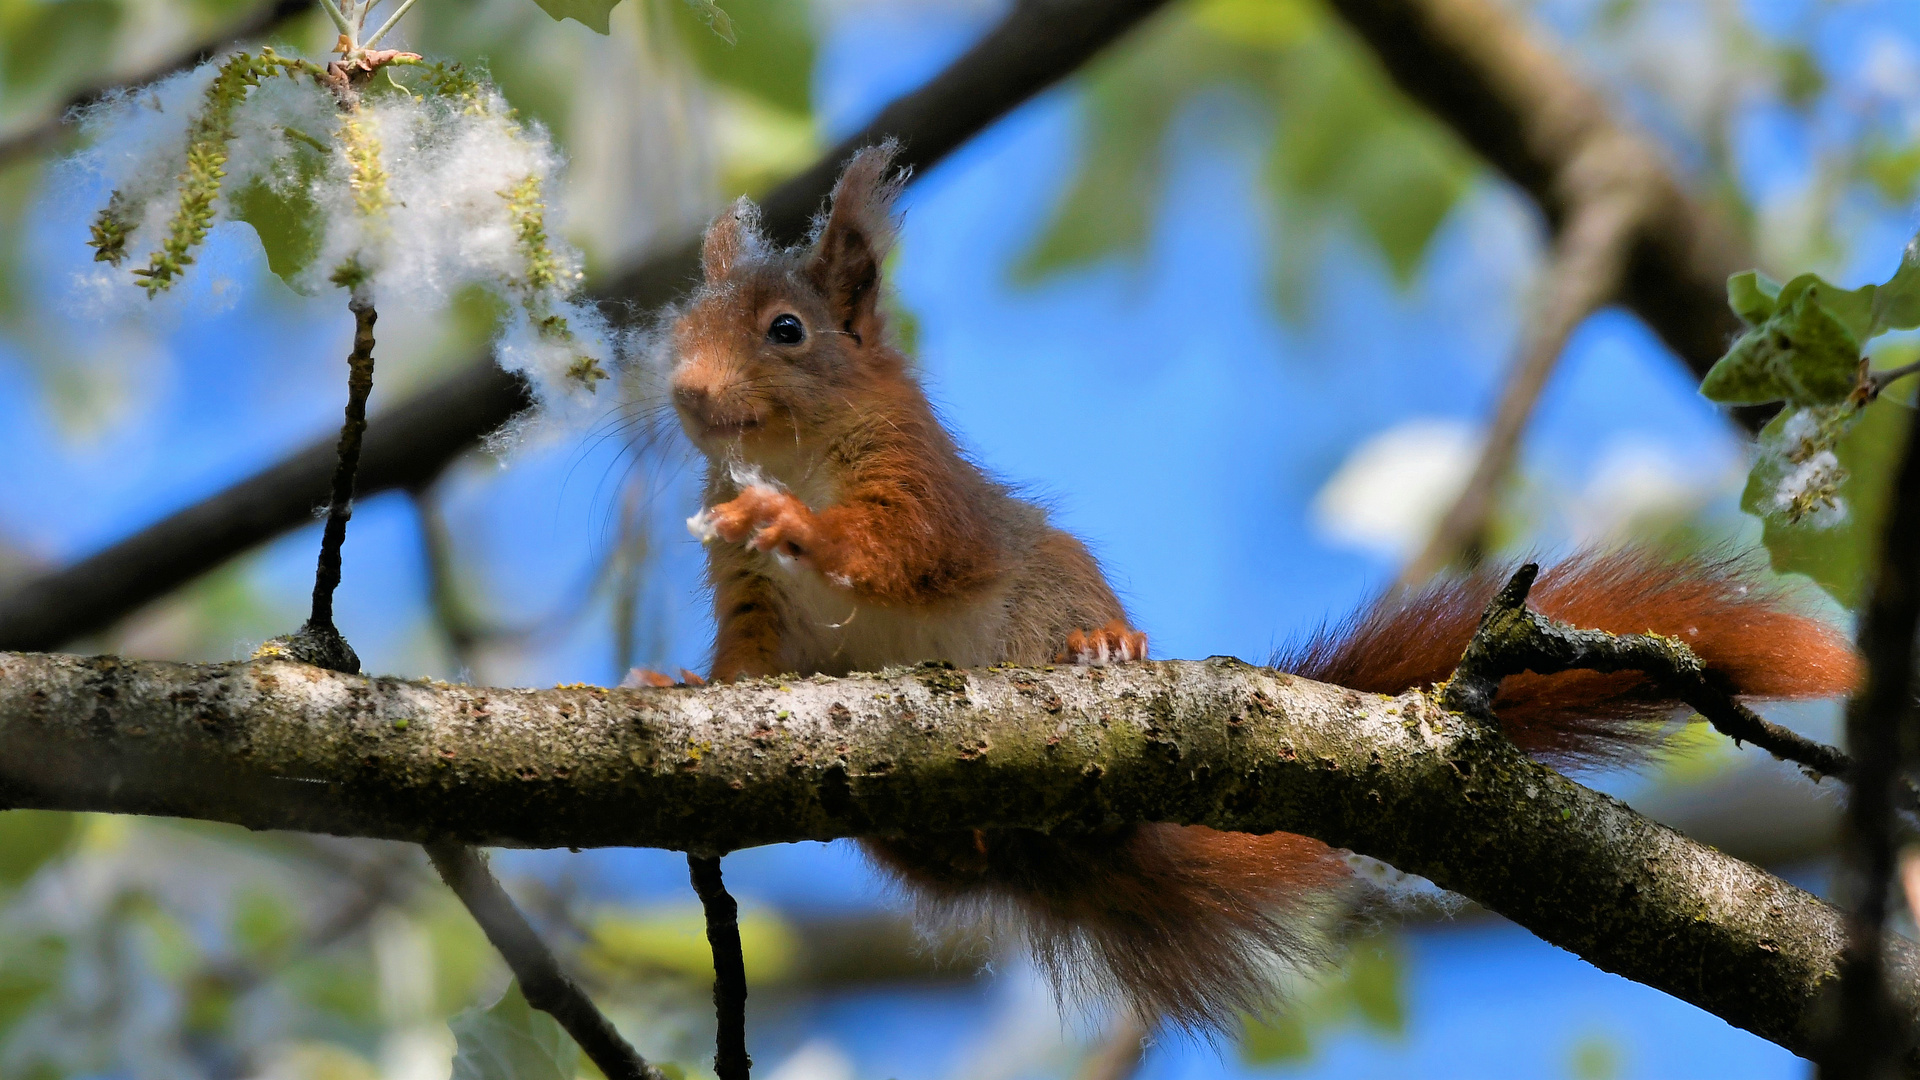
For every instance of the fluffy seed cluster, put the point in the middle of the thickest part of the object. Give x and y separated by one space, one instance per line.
425 183
1809 474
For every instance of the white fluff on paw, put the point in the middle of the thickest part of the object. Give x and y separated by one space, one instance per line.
746 478
745 475
702 527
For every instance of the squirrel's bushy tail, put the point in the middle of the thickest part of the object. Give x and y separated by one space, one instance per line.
1748 635
1185 923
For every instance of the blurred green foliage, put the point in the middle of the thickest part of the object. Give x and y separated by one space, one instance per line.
1344 146
768 54
1369 990
1594 1057
28 838
283 212
511 1041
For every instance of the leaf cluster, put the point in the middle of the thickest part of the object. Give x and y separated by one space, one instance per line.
1819 482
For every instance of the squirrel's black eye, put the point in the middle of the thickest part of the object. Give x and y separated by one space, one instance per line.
786 330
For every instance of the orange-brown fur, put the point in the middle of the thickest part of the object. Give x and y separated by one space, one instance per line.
1751 641
849 533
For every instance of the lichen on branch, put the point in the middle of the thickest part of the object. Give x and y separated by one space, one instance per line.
1218 742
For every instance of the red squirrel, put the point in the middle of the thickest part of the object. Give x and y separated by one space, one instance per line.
847 532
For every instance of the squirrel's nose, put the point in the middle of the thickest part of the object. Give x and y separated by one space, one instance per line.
690 398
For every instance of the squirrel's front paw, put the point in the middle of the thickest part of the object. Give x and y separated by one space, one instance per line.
1113 643
774 519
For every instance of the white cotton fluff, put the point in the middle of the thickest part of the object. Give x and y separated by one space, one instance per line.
137 146
746 477
450 168
1822 470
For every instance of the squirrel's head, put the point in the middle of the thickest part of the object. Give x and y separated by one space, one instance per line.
771 345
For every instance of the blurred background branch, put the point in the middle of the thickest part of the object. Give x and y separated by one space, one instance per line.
54 129
1612 184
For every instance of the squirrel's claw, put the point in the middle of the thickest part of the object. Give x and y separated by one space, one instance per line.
638 677
1113 643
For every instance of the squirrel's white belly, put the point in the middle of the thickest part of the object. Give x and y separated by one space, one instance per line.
831 632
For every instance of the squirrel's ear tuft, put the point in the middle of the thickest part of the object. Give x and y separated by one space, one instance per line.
855 237
734 233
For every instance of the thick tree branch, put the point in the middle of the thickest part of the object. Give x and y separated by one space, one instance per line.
1881 726
1479 69
278 745
1039 43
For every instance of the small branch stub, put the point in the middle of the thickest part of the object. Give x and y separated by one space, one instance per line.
1513 638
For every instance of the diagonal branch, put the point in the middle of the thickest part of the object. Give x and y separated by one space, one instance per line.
1219 743
1613 189
545 985
1039 43
1478 67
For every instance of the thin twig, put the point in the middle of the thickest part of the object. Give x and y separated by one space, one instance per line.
466 632
319 642
730 1060
374 38
545 985
1513 638
1869 1042
1586 270
326 576
1878 381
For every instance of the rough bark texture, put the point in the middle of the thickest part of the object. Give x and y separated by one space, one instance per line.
1216 742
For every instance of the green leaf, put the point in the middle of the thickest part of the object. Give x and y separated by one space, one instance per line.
511 1041
761 48
1752 295
287 223
1280 1039
1376 983
1834 550
592 14
1806 352
1896 305
715 19
29 838
282 211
